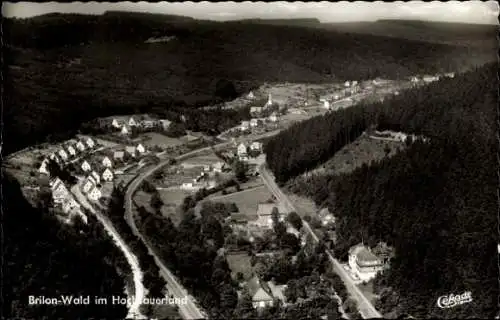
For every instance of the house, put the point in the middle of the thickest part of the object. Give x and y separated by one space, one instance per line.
43 167
115 124
96 176
86 166
269 101
326 217
414 79
347 84
107 175
245 125
354 83
250 95
256 110
118 155
274 117
256 146
59 191
88 185
261 294
130 150
107 162
326 104
140 148
363 263
254 122
71 151
132 122
264 214
63 155
125 130
80 146
450 75
55 158
165 123
218 166
90 143
430 78
242 149
95 194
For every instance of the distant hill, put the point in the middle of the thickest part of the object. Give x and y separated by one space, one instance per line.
474 35
75 67
305 22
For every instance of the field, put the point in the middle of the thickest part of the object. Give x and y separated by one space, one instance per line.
156 139
208 159
247 201
172 199
240 263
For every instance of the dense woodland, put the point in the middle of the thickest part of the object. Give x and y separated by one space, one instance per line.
77 67
435 201
43 257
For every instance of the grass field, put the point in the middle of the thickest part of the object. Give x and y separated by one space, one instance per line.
172 199
240 263
247 201
156 139
208 159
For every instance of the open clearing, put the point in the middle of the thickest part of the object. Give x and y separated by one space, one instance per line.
172 199
208 159
240 263
247 201
156 139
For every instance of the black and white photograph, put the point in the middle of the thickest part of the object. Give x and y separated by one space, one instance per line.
250 160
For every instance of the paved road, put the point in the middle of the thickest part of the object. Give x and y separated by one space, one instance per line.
365 308
189 310
139 289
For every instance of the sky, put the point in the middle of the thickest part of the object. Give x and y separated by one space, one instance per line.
451 11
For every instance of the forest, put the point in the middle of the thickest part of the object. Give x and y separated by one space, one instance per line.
63 69
43 257
435 202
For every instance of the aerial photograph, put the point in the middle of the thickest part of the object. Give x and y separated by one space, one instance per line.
251 160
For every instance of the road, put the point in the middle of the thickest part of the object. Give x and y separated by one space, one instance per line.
139 289
189 310
365 308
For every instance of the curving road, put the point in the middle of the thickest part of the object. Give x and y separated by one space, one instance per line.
366 309
139 289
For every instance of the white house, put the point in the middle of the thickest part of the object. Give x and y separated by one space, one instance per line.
242 149
363 263
430 78
88 185
125 130
86 166
95 194
131 122
263 293
107 175
245 125
59 191
106 162
43 167
115 124
118 155
326 104
140 148
148 124
347 84
354 83
80 146
269 101
254 123
71 151
63 155
130 150
450 75
251 95
256 146
274 117
96 176
165 123
218 166
90 143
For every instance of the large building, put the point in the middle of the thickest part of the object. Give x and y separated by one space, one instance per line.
363 263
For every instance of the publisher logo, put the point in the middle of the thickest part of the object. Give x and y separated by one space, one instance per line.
453 300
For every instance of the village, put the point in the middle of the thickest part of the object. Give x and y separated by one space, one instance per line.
93 166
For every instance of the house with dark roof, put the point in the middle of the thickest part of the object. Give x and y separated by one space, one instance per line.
364 263
264 294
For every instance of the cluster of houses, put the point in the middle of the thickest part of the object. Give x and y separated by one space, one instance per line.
244 150
254 111
68 153
126 125
203 181
62 197
429 78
